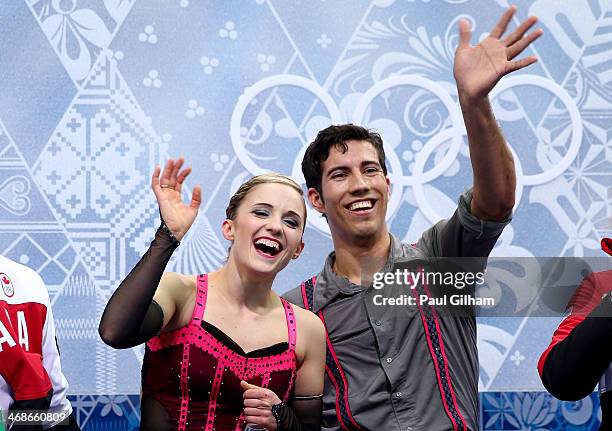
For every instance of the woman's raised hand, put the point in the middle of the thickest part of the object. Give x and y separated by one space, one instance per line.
167 188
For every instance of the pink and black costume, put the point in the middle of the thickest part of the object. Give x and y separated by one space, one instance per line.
191 376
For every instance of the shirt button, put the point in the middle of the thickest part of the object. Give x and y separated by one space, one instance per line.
378 323
389 360
398 394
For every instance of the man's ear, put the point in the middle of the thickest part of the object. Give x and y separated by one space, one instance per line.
388 187
298 250
316 200
227 228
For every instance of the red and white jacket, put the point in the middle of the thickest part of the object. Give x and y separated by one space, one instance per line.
580 353
27 339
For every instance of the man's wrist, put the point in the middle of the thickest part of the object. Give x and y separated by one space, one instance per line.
473 101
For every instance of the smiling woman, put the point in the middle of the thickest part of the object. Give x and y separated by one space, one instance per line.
263 209
223 350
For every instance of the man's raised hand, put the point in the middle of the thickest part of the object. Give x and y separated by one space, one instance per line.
478 68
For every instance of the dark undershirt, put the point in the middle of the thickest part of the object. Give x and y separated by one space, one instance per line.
225 339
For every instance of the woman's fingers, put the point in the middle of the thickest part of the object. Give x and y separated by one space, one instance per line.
180 178
254 411
165 177
246 385
259 393
172 177
257 403
175 170
196 197
258 420
155 178
182 175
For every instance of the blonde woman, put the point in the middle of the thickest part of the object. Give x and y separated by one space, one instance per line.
223 350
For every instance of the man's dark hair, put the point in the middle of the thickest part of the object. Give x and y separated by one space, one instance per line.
336 136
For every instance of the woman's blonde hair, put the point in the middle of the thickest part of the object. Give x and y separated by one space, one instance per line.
269 178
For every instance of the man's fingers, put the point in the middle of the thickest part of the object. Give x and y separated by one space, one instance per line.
520 46
502 24
520 31
196 197
519 64
465 33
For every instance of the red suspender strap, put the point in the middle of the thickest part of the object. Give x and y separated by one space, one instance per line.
332 365
440 361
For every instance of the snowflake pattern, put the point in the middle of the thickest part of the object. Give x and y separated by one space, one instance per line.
193 109
324 40
152 79
209 64
148 35
517 358
265 62
229 31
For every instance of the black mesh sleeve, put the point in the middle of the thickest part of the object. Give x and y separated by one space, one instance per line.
131 317
301 414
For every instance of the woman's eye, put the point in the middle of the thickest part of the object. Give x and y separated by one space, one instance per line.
292 223
262 213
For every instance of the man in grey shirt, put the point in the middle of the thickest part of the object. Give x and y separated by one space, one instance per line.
393 367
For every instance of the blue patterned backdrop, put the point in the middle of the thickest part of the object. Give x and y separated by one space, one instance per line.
95 93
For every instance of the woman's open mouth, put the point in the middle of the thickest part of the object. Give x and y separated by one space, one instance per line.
267 247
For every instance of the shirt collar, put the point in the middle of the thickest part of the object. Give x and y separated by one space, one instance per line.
330 285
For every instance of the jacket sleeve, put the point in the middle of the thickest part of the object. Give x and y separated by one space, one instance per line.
463 234
581 347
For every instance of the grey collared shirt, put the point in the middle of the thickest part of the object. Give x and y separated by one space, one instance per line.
394 382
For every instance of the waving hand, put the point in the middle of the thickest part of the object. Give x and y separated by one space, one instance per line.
178 216
478 68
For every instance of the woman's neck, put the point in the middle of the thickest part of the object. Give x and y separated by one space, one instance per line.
243 289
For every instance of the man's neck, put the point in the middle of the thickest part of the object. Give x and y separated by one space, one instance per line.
357 261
